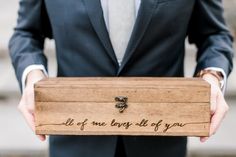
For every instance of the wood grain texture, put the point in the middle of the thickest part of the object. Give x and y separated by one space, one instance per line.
156 106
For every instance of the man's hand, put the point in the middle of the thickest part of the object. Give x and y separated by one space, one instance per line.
219 107
26 105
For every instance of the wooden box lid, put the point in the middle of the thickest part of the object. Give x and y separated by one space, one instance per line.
122 106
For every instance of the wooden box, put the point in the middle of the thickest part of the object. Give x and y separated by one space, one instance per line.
122 106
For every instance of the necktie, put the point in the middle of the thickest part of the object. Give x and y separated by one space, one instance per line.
121 20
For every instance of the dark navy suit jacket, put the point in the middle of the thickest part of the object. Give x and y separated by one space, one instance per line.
156 48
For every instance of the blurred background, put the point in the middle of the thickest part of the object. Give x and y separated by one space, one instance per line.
17 140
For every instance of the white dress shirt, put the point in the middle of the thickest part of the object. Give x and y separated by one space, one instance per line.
104 5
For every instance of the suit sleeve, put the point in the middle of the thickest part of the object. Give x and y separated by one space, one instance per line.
27 42
207 29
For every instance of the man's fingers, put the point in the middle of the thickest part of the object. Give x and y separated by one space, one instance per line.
30 120
213 100
219 109
26 105
219 115
216 120
204 139
42 137
218 105
28 117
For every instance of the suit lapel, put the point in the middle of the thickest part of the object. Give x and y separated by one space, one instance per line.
144 17
95 13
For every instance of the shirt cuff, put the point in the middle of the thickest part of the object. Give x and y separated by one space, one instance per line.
29 69
223 85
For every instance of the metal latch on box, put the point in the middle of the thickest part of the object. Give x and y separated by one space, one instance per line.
121 103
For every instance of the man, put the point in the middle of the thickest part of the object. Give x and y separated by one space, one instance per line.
121 38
